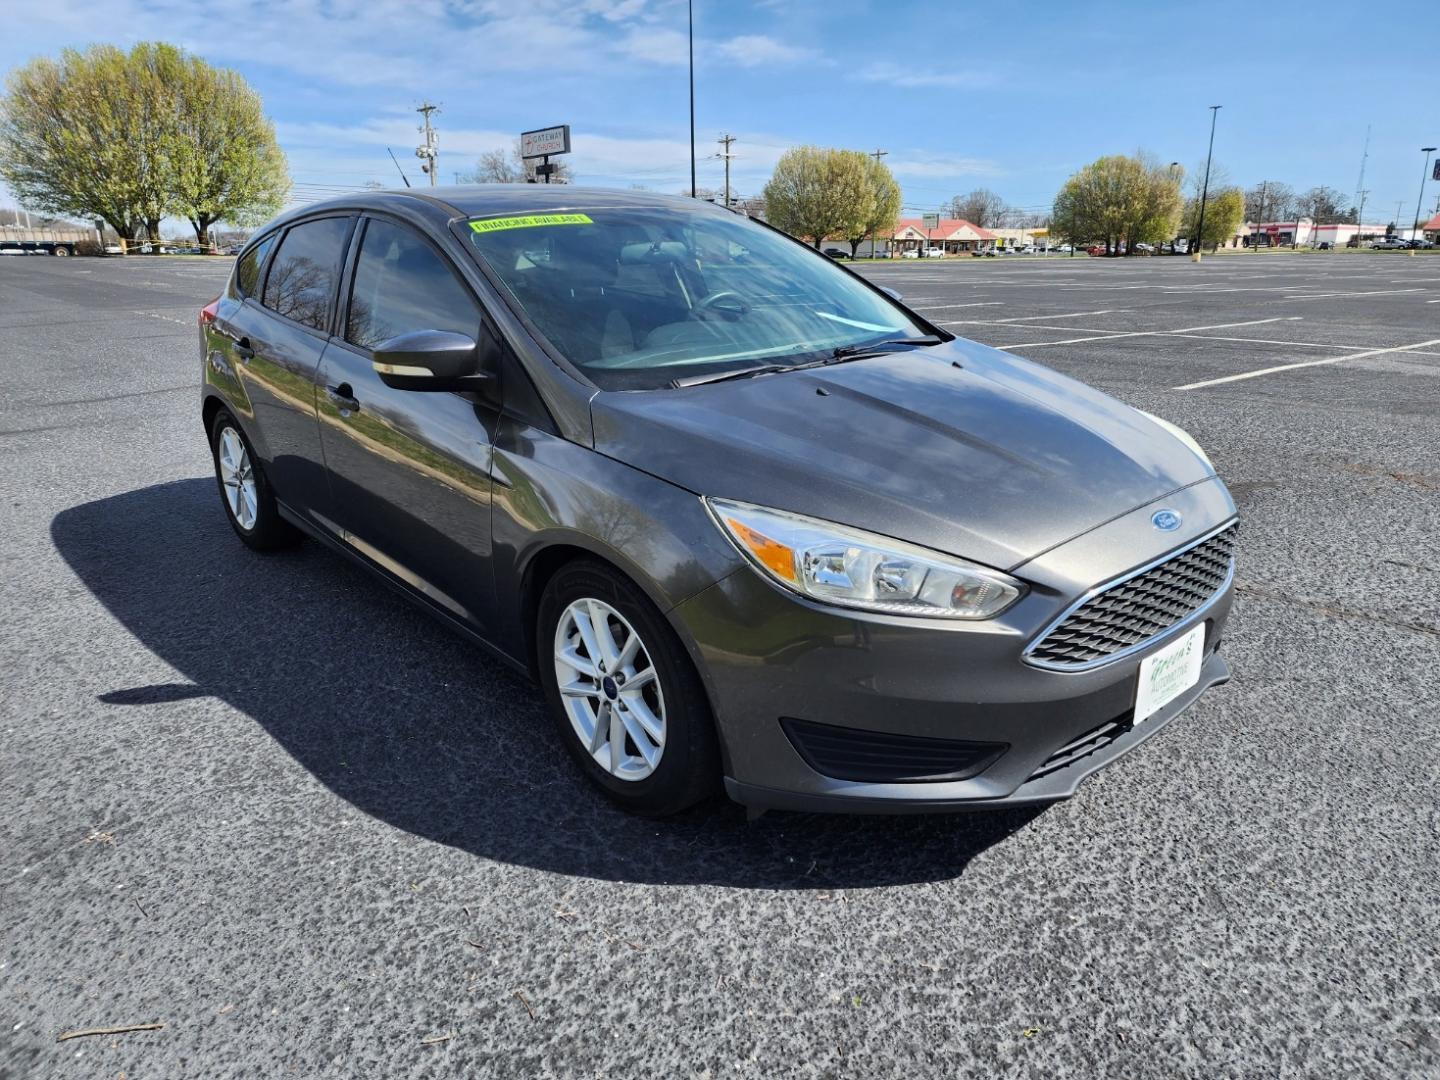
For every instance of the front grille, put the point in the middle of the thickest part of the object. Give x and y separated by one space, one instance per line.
879 757
1131 612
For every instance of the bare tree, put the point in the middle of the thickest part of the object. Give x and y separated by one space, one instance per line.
1324 205
980 207
1270 200
508 167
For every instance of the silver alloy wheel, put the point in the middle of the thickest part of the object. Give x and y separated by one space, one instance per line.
237 476
610 689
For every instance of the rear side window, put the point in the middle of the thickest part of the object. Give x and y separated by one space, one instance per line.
302 275
247 273
402 284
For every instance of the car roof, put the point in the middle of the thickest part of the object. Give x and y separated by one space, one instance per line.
488 200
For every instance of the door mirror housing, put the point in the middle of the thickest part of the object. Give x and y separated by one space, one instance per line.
428 360
894 294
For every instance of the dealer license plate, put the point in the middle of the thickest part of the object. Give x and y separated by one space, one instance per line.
1167 674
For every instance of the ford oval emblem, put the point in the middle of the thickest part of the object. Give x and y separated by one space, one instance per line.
1165 520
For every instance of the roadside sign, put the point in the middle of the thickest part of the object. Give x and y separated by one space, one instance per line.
548 169
932 221
1435 175
545 141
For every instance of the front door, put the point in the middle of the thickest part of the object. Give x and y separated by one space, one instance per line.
409 469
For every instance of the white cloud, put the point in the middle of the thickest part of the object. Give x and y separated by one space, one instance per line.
929 165
918 75
753 50
656 45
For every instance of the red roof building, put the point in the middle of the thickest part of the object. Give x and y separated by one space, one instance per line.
952 235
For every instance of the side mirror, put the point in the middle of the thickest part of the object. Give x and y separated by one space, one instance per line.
427 360
894 294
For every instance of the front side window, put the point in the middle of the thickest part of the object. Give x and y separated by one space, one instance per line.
302 276
640 297
402 285
247 271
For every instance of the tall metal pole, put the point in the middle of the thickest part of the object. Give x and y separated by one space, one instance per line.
1205 187
690 14
1424 175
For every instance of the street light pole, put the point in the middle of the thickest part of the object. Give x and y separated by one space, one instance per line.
1424 175
1205 187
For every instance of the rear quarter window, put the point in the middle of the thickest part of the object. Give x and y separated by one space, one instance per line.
247 271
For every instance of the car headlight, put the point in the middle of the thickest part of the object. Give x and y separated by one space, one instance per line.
1181 434
839 565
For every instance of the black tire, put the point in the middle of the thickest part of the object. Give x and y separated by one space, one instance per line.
269 531
689 767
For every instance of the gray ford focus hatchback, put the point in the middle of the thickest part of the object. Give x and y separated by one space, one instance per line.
743 516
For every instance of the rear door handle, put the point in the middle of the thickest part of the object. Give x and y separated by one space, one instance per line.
242 348
344 397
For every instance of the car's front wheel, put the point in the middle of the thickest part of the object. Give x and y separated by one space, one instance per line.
628 704
244 489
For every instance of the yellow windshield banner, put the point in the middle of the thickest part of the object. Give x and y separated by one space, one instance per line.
529 221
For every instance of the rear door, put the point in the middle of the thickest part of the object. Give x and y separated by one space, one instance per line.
277 342
409 470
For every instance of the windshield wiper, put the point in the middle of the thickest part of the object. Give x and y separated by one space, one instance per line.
837 356
873 348
721 376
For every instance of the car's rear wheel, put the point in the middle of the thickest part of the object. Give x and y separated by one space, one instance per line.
244 490
628 704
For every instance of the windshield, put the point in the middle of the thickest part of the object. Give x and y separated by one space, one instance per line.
640 297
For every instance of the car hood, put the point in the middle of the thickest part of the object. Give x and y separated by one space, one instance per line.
957 447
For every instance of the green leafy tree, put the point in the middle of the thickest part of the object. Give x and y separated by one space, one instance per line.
1224 211
816 192
224 161
132 137
1118 200
884 206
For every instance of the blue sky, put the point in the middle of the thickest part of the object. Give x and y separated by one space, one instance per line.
1010 96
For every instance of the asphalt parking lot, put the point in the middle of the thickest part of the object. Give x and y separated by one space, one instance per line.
261 801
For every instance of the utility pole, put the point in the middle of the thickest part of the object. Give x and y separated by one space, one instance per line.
690 16
1424 175
878 154
1205 187
725 140
430 152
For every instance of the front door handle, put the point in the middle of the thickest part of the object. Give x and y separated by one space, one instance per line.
344 397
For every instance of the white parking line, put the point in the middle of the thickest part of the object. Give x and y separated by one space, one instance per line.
1106 336
1332 295
1305 364
1072 315
947 307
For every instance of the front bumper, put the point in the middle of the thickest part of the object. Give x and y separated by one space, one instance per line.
769 658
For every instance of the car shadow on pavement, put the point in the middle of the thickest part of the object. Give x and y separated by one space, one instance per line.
420 729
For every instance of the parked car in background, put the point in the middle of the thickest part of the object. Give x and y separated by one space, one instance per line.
1324 245
1419 244
934 253
837 253
113 249
1390 243
910 253
744 517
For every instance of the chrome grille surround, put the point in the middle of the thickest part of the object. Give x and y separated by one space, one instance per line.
1129 613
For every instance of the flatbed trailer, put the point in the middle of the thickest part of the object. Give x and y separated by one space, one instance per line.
37 247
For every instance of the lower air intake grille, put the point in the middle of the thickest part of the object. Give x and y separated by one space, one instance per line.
879 757
1131 612
1083 746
